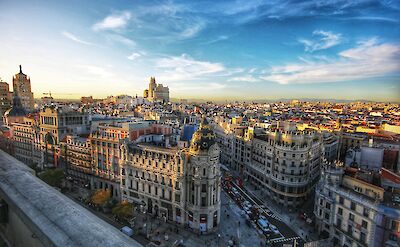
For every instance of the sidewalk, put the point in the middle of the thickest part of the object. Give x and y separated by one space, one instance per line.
303 229
230 230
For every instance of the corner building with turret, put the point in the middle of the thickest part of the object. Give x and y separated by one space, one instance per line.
177 184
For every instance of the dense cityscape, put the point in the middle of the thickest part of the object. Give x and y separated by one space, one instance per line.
200 123
190 174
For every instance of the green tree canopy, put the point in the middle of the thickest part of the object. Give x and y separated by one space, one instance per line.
53 177
123 209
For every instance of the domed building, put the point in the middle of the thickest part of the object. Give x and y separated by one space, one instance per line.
16 113
203 181
175 183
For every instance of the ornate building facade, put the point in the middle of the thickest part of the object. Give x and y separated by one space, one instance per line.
26 137
22 88
78 157
5 97
285 162
56 122
156 92
178 184
355 207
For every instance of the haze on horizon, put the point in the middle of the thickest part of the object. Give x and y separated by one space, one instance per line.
234 50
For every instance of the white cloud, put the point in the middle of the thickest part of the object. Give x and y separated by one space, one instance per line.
325 40
192 30
217 39
369 59
252 70
184 67
74 38
135 55
248 78
114 21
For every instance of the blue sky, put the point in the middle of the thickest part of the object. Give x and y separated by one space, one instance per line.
240 50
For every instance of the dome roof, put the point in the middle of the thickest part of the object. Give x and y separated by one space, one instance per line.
16 110
203 138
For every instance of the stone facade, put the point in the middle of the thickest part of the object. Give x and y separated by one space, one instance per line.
156 92
27 147
285 163
56 122
22 88
78 158
352 209
5 98
180 185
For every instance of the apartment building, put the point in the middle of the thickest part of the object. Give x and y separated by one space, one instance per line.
77 153
27 146
285 163
357 207
56 122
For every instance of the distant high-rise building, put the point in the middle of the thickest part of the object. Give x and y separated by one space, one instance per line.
5 97
156 92
22 87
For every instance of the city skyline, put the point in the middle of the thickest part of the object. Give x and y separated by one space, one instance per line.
246 50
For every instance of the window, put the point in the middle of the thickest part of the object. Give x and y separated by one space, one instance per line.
340 211
341 200
203 201
353 206
177 198
364 224
350 230
363 237
203 188
328 205
339 223
366 212
351 217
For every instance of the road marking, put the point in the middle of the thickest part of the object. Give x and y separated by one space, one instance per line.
280 240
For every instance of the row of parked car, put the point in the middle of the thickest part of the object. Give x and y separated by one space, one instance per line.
254 213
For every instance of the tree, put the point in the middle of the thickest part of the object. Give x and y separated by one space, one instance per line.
53 177
123 209
100 197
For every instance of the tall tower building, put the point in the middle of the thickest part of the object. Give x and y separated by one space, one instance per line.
156 92
204 179
22 87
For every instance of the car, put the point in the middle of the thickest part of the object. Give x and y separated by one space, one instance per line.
274 229
264 225
127 231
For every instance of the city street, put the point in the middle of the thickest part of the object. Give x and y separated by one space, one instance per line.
233 230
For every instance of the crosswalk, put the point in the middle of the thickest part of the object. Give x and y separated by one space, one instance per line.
280 240
275 217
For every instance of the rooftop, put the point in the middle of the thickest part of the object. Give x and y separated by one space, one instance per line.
55 219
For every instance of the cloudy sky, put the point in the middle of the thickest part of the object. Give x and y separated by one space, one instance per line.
245 49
